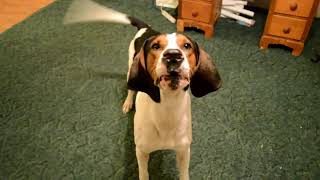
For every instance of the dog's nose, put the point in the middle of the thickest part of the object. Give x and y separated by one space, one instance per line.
172 58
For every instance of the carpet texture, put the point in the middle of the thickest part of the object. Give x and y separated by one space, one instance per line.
62 88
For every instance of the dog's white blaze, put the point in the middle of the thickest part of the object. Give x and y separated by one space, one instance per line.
172 42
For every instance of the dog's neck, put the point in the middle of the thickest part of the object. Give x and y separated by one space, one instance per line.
172 97
173 109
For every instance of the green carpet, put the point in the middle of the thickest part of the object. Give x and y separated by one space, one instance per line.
62 89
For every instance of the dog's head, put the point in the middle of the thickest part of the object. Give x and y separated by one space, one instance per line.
173 62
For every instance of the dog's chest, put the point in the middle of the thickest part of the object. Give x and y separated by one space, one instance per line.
165 125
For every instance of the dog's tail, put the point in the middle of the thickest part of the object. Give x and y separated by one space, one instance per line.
89 11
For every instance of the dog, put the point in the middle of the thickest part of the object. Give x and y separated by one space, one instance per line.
162 69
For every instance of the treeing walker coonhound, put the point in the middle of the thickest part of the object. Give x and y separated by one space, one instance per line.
163 68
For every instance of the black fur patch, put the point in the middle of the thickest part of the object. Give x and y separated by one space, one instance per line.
140 79
174 82
137 23
186 88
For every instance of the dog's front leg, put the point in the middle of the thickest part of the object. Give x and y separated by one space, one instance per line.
128 103
183 159
143 159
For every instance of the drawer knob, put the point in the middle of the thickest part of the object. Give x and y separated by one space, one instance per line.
293 6
195 14
286 30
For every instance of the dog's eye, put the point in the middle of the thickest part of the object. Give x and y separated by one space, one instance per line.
155 46
187 46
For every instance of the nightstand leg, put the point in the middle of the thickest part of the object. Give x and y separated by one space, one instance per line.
297 51
180 25
208 32
264 43
297 48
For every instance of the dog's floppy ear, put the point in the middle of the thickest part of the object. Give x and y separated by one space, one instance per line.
206 78
139 78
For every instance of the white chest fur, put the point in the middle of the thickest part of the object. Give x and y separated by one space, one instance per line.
164 125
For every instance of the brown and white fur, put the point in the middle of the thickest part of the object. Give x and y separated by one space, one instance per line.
167 124
163 68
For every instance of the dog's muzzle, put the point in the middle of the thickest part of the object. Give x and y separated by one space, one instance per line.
172 59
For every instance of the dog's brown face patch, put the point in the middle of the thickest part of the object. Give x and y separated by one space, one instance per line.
190 50
156 51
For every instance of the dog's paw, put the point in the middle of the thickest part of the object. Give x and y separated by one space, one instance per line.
127 106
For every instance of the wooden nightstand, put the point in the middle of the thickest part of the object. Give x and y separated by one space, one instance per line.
288 23
201 14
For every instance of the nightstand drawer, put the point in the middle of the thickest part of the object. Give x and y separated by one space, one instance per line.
196 10
288 27
294 7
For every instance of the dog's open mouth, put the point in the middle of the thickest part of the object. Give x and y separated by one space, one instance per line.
174 81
